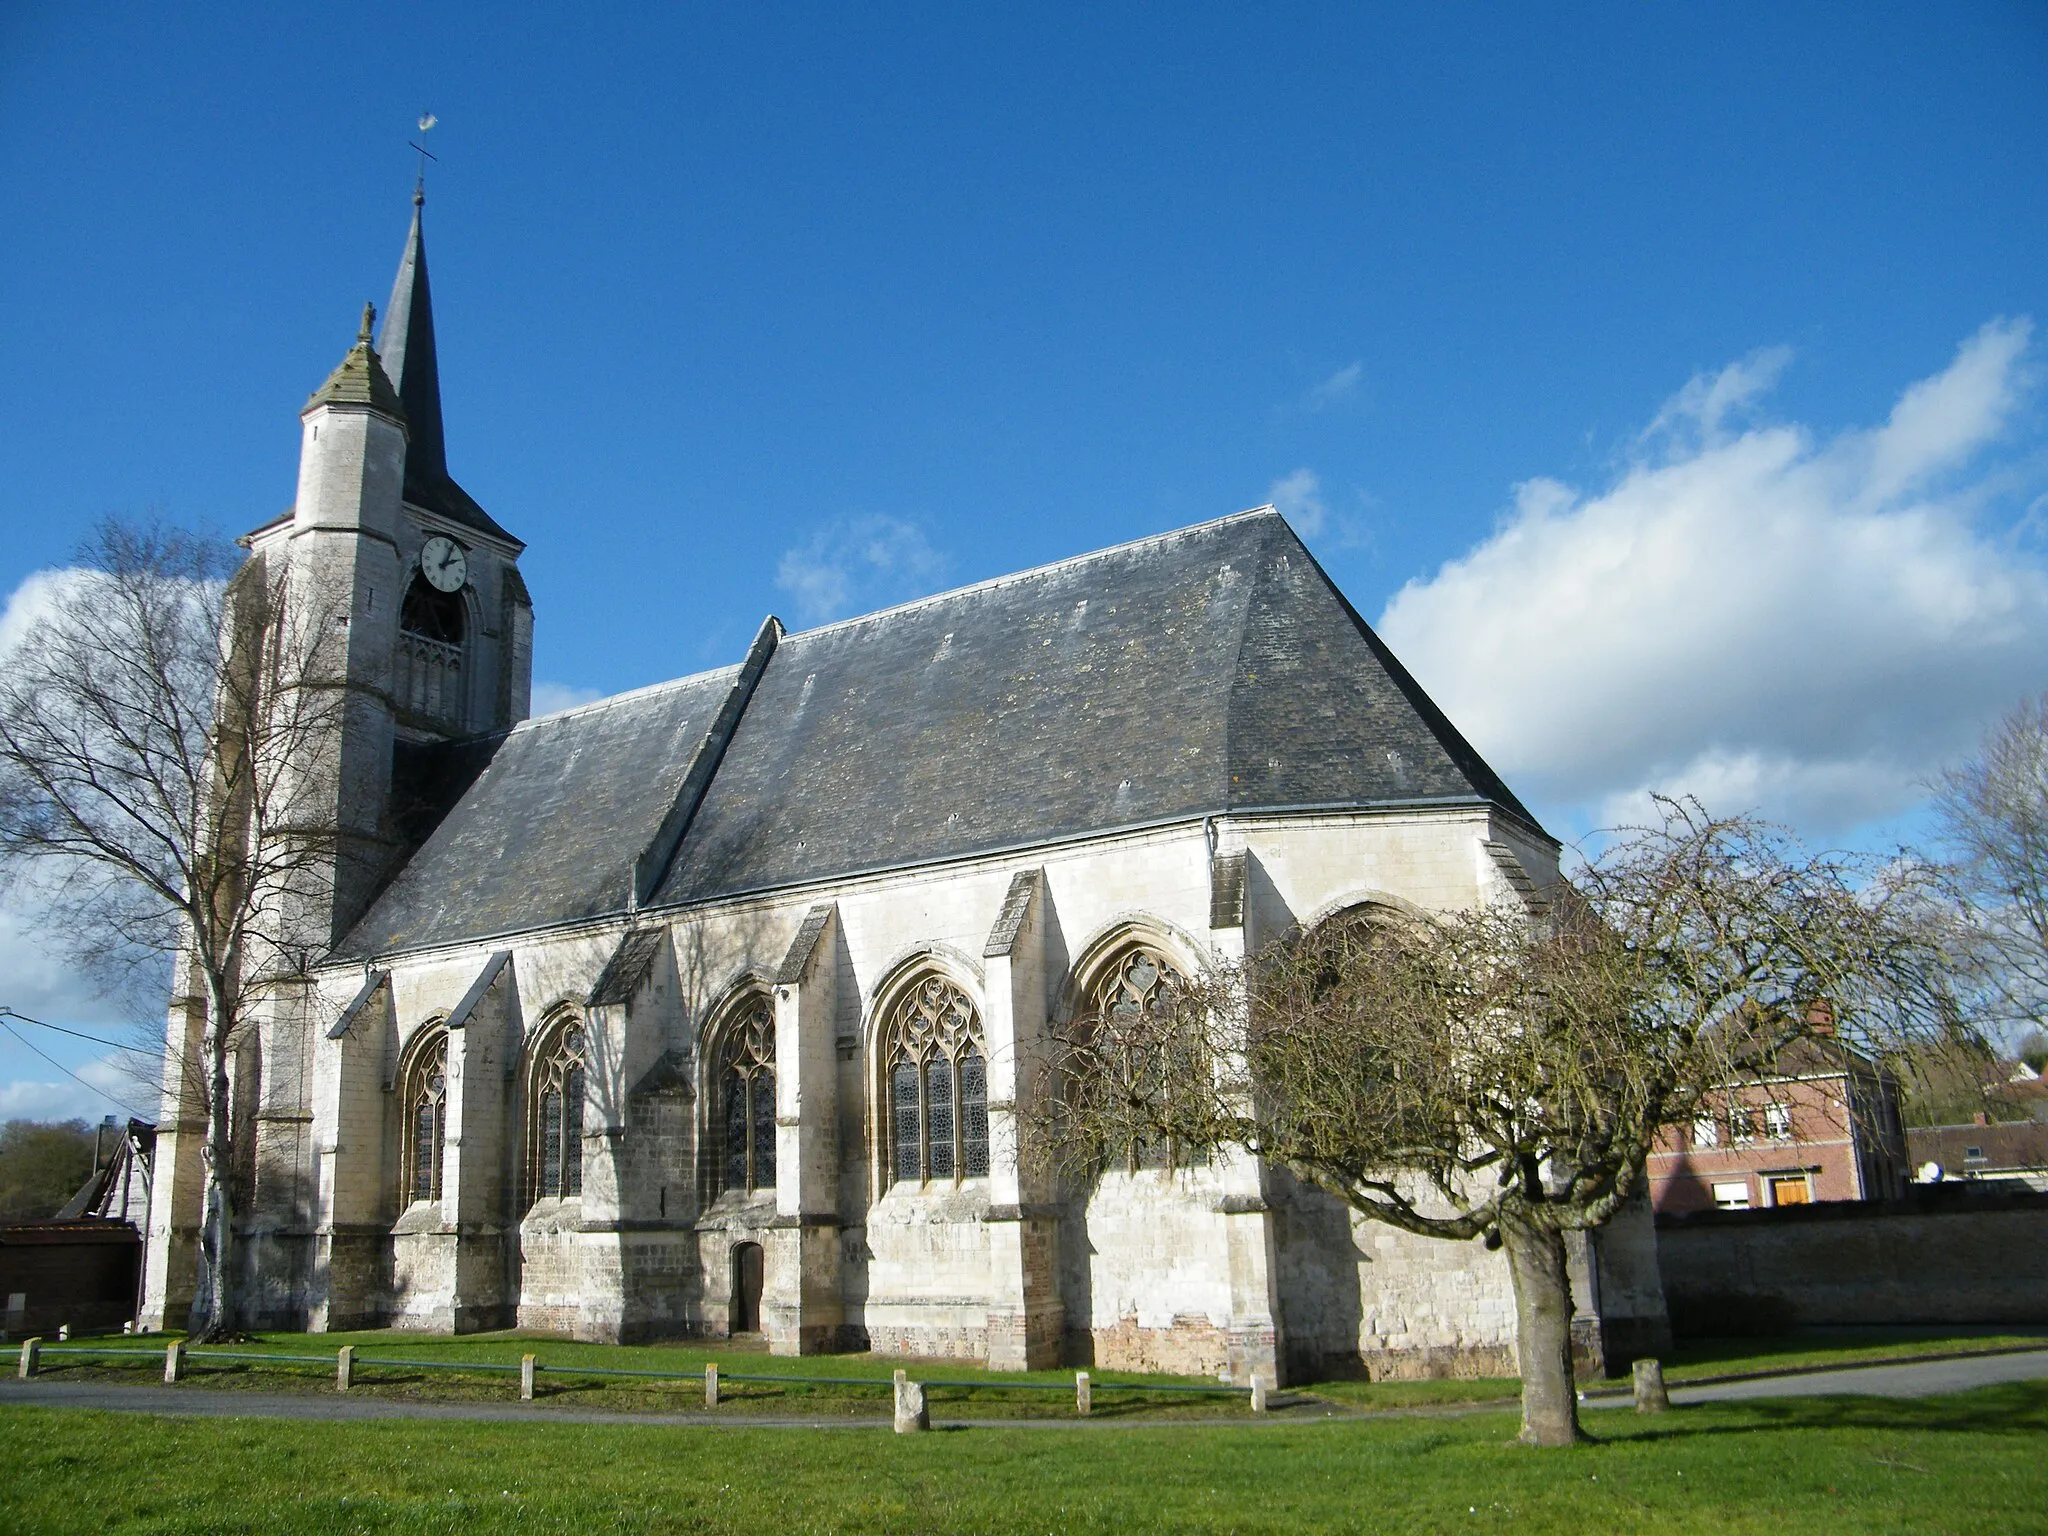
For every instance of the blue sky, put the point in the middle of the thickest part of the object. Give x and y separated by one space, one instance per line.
1663 380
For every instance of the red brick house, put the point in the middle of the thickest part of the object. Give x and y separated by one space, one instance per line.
1824 1126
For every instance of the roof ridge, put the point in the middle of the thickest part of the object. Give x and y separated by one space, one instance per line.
1013 578
645 691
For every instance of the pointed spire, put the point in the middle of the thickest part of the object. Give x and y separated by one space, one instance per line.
407 346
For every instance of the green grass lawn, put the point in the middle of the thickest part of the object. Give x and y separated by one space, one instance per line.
843 1386
815 1386
1965 1464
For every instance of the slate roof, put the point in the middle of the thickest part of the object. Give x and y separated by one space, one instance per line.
548 832
1210 670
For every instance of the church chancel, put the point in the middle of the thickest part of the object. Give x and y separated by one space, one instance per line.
714 1008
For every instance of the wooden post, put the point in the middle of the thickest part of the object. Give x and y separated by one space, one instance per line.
526 1378
711 1384
174 1362
1650 1394
31 1357
1084 1395
345 1368
1258 1395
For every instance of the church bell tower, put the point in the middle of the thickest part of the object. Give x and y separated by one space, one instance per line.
435 624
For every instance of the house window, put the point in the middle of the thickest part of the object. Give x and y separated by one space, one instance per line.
745 1100
936 1086
424 1130
1742 1126
1732 1196
1973 1154
1706 1132
1791 1189
1141 983
555 1115
1778 1122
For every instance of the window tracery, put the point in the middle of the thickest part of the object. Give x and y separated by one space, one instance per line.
555 1116
746 1098
936 1069
1142 981
425 1126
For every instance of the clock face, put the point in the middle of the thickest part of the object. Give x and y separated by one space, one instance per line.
443 564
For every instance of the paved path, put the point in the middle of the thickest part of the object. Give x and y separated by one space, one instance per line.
1926 1378
1921 1379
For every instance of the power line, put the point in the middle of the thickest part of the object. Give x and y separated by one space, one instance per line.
112 1045
53 1061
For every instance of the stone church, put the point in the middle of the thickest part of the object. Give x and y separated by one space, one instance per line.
713 1008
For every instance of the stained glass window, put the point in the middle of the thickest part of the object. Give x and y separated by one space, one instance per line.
426 1122
555 1160
1142 982
938 1086
746 1056
909 1129
973 1116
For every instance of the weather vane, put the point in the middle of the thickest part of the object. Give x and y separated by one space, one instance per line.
419 190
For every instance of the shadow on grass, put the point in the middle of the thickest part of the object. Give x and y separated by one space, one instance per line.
2012 1408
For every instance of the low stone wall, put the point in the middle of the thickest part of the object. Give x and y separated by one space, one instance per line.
1938 1257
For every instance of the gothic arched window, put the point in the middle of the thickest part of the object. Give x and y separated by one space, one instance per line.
431 613
936 1069
429 679
424 1131
745 1098
1141 982
555 1115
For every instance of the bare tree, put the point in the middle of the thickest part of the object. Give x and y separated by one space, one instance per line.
1993 810
1499 1073
165 735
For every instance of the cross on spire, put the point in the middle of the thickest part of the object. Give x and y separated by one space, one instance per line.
419 187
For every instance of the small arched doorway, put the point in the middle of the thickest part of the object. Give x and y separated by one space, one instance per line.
746 1288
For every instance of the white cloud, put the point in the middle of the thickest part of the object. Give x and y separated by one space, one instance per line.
1698 412
29 1098
1299 498
1340 385
859 563
548 698
34 599
1762 617
34 979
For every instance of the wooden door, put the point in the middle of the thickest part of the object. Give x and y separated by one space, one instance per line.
746 1288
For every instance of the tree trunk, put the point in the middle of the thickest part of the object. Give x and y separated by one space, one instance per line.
212 1300
1543 1333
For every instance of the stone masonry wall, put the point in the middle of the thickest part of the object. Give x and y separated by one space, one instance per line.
1924 1260
1155 1271
1360 1298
